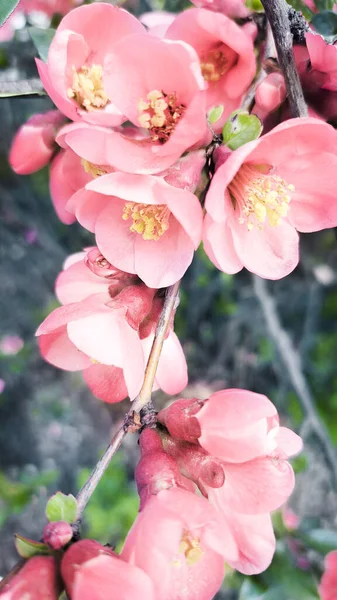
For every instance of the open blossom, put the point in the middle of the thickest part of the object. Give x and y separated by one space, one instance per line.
34 144
328 585
156 225
156 84
73 75
240 433
103 330
266 191
177 541
37 579
93 572
225 51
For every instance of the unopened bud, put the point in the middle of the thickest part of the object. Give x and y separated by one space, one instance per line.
179 419
57 534
99 265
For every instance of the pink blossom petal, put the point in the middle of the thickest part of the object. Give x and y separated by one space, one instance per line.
77 282
219 247
171 374
57 349
288 442
106 382
110 577
257 486
60 189
76 310
255 539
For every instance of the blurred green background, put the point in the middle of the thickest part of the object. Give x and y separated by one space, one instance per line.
52 430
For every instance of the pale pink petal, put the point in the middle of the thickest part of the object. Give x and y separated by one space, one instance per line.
106 383
57 349
255 539
288 442
60 189
219 247
108 577
171 374
257 486
118 247
77 282
76 310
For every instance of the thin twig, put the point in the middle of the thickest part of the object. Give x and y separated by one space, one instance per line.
294 370
277 15
132 420
27 87
144 396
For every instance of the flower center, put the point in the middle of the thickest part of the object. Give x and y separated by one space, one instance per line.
150 221
190 547
259 197
94 170
87 88
217 62
160 114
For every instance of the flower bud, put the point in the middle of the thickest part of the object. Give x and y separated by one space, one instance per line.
33 145
57 534
179 419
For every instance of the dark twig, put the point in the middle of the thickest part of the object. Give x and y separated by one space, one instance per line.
28 87
134 419
294 370
277 15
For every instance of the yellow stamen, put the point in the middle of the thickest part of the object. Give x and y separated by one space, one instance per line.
150 221
87 88
217 62
94 170
259 197
191 548
159 114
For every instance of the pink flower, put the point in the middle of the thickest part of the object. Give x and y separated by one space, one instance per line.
37 579
101 331
93 572
225 51
323 57
73 75
176 541
290 519
34 143
328 585
238 433
266 191
231 8
49 7
11 344
155 238
163 99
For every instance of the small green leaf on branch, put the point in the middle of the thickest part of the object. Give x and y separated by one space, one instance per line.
6 9
215 113
42 38
28 548
241 128
61 508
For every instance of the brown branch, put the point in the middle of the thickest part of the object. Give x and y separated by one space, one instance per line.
132 421
277 15
294 370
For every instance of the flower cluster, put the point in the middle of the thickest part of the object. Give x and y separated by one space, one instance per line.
208 477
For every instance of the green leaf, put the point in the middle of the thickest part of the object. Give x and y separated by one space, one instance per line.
41 38
27 548
250 590
303 8
325 23
241 128
322 540
324 5
61 508
6 9
215 114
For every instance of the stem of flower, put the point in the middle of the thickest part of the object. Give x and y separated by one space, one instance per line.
132 421
277 15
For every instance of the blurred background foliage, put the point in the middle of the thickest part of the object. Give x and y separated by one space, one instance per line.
52 430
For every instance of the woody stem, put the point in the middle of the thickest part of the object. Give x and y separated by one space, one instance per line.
132 420
277 15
